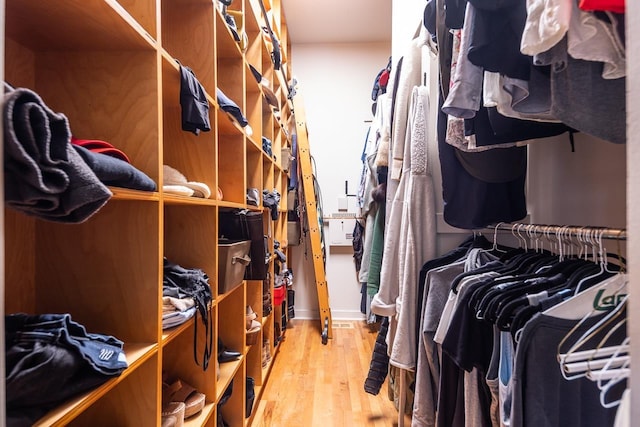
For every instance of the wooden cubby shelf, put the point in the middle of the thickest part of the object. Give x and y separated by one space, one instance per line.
113 69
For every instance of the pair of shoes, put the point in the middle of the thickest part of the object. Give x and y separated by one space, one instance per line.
226 355
181 392
173 414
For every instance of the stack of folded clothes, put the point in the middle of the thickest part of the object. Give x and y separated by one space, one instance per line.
50 358
52 175
176 311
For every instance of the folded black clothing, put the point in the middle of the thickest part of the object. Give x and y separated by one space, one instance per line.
267 146
231 23
193 102
231 107
271 200
116 172
44 175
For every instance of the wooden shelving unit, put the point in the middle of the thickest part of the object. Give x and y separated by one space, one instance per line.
112 67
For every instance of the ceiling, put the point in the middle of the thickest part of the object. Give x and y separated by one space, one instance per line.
338 21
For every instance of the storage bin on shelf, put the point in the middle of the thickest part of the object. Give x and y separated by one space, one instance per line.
279 294
233 258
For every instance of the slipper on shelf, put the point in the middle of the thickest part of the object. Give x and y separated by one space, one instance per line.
254 326
249 316
180 391
175 182
173 414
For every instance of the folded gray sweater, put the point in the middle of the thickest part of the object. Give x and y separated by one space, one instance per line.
44 175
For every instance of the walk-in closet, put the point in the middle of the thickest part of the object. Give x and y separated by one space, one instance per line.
282 213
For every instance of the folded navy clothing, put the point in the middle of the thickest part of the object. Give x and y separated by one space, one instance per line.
116 172
50 358
231 107
44 175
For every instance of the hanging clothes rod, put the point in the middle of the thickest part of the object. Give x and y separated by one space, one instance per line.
562 230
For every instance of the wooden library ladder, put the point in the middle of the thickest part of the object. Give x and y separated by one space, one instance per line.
313 219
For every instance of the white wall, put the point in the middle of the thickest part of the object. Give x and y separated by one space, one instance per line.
406 18
335 81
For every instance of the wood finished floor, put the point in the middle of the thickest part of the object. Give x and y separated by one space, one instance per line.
323 385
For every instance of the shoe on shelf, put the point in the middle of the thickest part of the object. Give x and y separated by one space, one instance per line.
249 316
228 356
173 414
225 354
254 326
179 391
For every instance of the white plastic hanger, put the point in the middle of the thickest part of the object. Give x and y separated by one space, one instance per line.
614 377
602 356
585 337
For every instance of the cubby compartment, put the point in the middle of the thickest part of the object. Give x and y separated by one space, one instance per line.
267 121
254 35
190 238
231 325
88 63
188 35
144 12
277 148
131 402
278 185
233 410
72 25
254 351
230 64
90 271
254 170
280 226
267 343
67 266
231 165
231 330
267 172
190 154
254 100
180 365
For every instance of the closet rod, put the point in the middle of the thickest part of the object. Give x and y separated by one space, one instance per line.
567 230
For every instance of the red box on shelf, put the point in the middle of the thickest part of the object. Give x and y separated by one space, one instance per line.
279 294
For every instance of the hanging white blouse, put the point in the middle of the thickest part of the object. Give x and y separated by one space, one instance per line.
547 23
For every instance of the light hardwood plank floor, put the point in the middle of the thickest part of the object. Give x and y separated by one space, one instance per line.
323 385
